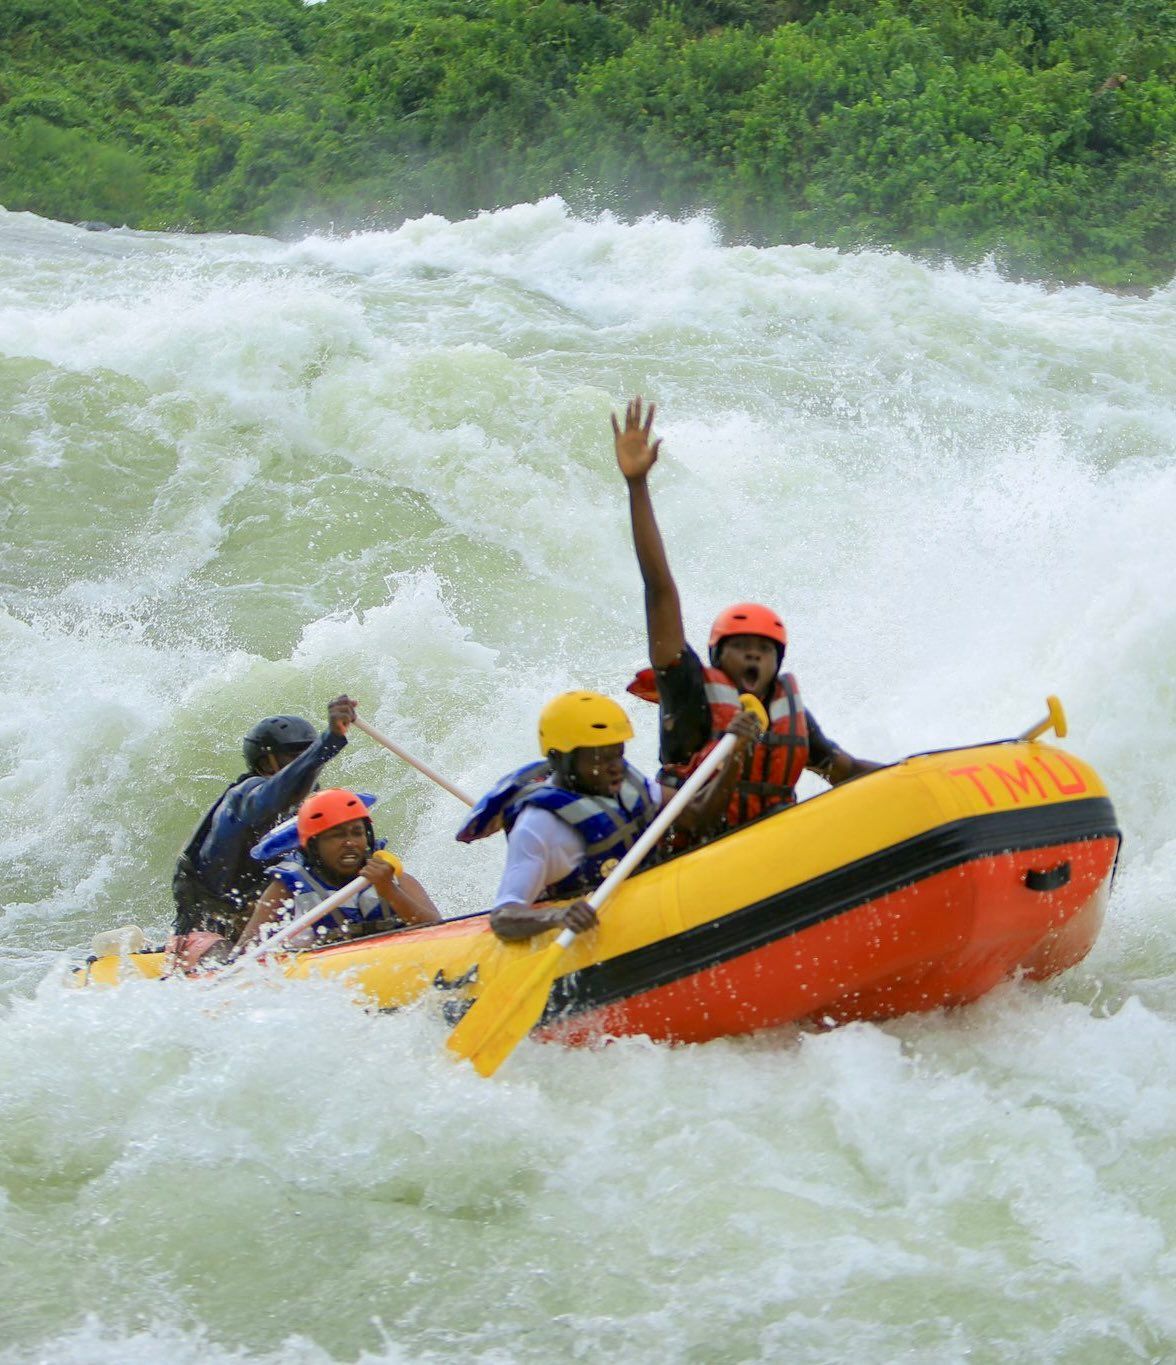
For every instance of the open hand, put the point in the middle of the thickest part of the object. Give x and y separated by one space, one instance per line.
636 455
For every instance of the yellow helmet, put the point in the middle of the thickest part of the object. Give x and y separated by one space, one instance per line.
581 720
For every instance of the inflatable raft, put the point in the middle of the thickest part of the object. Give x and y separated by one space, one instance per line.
919 886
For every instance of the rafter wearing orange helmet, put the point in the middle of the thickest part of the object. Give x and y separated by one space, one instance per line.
338 844
746 650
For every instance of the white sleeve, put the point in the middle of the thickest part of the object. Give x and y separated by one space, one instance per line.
541 850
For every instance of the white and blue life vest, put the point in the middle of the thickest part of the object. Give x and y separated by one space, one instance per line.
364 913
609 826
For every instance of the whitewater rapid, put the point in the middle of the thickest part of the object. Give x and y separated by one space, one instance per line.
239 476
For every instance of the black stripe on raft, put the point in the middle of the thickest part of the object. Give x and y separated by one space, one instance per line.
834 893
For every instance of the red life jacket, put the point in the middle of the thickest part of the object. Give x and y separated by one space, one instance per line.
772 769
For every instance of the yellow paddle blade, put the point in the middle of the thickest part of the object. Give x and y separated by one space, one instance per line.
506 1011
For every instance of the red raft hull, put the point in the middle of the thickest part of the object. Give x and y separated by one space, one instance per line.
902 953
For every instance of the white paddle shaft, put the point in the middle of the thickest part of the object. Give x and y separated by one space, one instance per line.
373 733
665 817
296 926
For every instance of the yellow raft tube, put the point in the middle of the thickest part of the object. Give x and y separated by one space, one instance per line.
918 886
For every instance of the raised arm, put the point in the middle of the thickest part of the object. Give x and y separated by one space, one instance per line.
636 456
263 802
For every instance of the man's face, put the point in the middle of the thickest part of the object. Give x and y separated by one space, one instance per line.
343 850
599 771
750 661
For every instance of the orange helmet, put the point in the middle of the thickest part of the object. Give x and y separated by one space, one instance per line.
324 810
747 618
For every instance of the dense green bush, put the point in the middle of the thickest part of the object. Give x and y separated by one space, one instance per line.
1040 131
69 175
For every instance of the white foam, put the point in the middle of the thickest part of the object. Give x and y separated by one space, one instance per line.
251 474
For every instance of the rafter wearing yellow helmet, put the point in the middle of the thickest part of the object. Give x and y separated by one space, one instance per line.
572 816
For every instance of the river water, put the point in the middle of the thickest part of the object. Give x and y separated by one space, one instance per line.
239 476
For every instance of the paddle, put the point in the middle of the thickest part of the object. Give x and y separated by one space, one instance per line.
305 920
373 733
1056 719
510 1006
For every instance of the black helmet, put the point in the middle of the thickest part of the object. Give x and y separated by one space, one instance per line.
274 733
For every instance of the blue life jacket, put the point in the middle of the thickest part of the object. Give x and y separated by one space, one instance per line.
364 913
496 810
609 826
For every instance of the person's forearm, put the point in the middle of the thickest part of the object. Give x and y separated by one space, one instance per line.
263 914
411 907
663 610
706 810
860 766
512 922
647 541
277 793
842 766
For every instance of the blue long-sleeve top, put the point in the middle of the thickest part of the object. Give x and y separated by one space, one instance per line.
252 807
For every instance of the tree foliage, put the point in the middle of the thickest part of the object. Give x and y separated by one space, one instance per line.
1039 131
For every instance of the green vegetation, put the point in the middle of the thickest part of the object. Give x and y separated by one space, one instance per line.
1040 131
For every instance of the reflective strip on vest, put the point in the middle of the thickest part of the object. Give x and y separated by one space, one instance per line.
584 810
720 693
